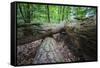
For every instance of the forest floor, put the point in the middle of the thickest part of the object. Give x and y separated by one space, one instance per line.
47 51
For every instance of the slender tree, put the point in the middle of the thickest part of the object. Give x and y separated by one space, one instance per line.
28 14
63 8
20 8
48 13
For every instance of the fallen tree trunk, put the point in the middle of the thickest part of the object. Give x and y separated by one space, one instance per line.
83 36
48 52
88 41
80 38
46 30
28 24
49 30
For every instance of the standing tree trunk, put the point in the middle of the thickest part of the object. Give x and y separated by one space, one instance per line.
21 12
63 13
48 13
25 12
60 12
59 15
28 14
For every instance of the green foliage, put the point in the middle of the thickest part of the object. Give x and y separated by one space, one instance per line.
28 14
33 13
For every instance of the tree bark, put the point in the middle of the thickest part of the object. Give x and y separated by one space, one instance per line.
20 8
43 32
72 29
28 14
48 52
63 13
48 13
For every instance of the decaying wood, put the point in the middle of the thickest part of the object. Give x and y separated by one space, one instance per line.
49 30
88 40
83 36
52 51
46 30
75 42
48 52
28 24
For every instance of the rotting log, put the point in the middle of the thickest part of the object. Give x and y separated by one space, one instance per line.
81 37
28 24
84 37
48 52
46 30
88 41
71 29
